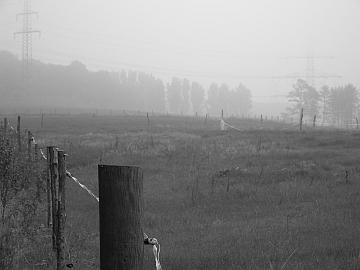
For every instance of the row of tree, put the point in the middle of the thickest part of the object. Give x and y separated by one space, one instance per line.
336 105
185 97
74 86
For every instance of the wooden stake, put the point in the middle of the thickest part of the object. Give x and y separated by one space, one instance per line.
42 120
38 171
54 191
301 119
48 188
120 206
148 120
314 121
18 133
29 144
5 126
61 214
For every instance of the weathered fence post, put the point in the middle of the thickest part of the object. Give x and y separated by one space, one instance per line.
120 207
18 133
5 125
38 170
29 139
54 190
42 120
314 121
48 187
148 121
301 119
36 152
61 214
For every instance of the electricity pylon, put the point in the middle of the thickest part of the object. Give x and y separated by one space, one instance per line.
26 33
310 74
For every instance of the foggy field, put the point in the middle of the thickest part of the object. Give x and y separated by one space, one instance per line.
288 204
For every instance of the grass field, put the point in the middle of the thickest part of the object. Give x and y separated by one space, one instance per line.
291 200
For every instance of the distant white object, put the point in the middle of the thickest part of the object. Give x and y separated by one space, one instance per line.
222 124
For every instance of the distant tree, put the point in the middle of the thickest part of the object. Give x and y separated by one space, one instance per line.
224 98
158 99
186 96
241 100
343 103
197 96
303 96
74 86
324 99
213 104
174 95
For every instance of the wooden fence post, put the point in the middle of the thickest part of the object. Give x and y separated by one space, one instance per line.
301 119
120 207
42 120
18 133
48 187
314 121
29 139
5 125
36 152
38 170
61 214
54 190
148 121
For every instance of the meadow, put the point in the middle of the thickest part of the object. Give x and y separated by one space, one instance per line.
263 197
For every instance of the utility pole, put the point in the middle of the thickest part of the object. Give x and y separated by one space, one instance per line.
26 33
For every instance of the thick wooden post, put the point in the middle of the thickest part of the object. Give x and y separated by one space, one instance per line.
120 207
61 214
18 133
48 188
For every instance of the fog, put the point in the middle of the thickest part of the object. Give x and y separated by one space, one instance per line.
205 40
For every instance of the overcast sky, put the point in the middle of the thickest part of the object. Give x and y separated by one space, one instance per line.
228 41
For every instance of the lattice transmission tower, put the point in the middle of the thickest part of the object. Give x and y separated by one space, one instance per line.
310 75
26 34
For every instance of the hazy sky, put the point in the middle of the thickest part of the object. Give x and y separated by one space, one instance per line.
228 41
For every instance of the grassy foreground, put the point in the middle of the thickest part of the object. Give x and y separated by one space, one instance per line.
290 200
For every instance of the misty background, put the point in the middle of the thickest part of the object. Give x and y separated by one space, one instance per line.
261 45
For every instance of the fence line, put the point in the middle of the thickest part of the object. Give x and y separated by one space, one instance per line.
147 241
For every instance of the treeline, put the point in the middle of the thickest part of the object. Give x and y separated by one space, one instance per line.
74 86
185 97
332 105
